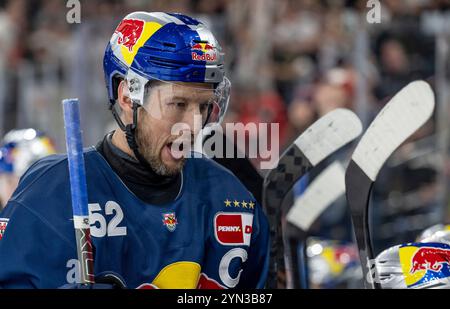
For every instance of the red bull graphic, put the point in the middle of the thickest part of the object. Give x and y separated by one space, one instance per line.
424 262
207 52
181 275
170 221
204 47
206 283
129 32
430 258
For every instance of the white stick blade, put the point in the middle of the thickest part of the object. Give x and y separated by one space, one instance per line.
324 190
406 112
328 134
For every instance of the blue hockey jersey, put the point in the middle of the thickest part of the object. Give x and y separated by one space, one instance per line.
213 235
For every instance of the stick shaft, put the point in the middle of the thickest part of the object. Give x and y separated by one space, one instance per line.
78 189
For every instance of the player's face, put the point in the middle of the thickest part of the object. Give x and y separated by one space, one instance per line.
168 105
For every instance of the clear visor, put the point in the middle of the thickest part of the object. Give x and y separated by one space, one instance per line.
179 102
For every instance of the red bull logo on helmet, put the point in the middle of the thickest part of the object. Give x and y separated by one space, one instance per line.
129 31
207 52
430 258
424 262
204 47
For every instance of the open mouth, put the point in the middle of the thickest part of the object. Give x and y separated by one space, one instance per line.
176 149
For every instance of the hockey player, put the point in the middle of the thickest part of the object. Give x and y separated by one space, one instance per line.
158 219
21 148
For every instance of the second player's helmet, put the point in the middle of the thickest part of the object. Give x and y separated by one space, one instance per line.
165 47
421 265
21 149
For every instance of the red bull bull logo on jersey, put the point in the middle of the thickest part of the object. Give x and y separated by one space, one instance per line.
182 275
129 31
424 262
206 283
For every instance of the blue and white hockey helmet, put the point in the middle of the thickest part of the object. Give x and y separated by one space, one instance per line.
22 148
173 49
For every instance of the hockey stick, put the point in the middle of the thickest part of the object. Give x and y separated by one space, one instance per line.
320 194
407 111
322 138
324 190
78 189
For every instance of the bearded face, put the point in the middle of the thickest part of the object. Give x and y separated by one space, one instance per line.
168 105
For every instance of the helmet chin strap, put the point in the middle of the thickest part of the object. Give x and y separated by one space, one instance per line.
130 132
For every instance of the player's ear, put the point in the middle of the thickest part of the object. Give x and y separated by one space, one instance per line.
124 101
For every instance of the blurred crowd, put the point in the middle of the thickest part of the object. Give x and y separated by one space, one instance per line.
290 61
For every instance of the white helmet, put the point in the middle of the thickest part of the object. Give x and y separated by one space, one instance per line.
436 233
421 265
